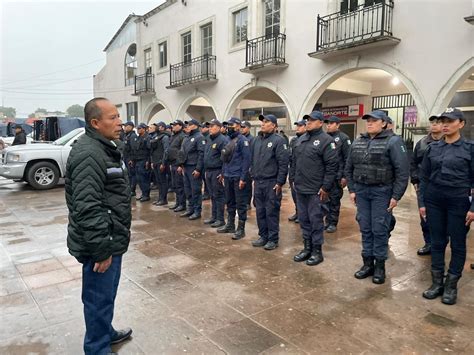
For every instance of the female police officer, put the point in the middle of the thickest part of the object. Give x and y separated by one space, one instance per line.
377 176
446 178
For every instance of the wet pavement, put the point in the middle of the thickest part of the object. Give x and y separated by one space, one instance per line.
187 289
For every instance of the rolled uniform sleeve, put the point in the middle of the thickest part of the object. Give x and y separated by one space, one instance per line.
399 160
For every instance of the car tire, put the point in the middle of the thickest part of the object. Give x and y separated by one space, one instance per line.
43 175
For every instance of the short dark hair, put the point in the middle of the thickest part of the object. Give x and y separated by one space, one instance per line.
91 110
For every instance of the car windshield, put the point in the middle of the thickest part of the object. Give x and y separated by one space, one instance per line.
64 139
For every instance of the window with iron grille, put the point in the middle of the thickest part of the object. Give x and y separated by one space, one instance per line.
351 5
148 61
240 25
163 52
206 39
186 47
272 17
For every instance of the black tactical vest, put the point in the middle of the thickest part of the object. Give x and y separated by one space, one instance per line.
371 162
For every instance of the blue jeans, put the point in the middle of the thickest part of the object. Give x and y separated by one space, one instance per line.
193 188
268 205
374 219
98 296
310 216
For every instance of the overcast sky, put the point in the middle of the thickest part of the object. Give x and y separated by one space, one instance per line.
51 49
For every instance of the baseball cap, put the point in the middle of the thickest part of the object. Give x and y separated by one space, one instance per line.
160 124
271 118
215 122
377 114
129 123
453 114
433 117
333 119
177 122
142 125
193 121
245 124
315 115
300 123
233 120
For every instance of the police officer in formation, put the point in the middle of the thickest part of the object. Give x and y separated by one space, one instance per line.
206 134
269 169
332 206
236 159
436 133
192 164
300 130
213 173
245 130
377 175
129 139
172 160
446 180
315 167
141 155
159 145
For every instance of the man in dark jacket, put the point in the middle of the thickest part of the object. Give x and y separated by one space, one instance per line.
172 159
159 146
436 133
300 130
245 130
269 168
213 172
20 136
332 206
98 200
192 151
141 154
236 158
129 138
205 131
314 172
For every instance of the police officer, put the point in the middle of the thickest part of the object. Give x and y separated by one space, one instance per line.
332 206
300 130
159 145
172 160
377 177
213 172
206 134
446 179
129 140
269 168
436 133
192 151
314 170
141 154
245 130
236 158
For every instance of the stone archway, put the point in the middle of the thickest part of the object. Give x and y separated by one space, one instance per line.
156 107
198 96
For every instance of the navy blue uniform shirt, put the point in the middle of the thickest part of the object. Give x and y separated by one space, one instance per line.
212 153
239 164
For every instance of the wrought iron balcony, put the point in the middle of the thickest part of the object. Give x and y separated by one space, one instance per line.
197 71
359 28
144 84
265 53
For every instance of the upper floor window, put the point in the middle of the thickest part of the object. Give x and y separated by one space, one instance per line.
240 25
186 47
148 61
351 5
130 64
206 39
272 17
163 51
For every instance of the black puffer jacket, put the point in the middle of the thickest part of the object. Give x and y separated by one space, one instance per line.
98 199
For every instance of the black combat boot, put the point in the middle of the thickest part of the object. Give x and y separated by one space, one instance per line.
305 253
293 218
424 250
450 289
228 228
379 272
316 256
437 287
367 269
240 232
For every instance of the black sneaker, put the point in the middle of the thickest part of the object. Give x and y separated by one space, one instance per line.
121 335
270 245
260 242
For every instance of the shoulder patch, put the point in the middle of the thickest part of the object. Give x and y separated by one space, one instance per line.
203 142
284 146
270 144
246 143
349 142
403 148
192 139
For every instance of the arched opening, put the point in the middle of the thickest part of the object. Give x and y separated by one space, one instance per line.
248 104
198 108
131 64
157 112
463 99
351 93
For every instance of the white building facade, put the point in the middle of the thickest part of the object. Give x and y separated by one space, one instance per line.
223 58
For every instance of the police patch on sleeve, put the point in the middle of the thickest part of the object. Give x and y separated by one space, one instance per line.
246 143
214 146
333 145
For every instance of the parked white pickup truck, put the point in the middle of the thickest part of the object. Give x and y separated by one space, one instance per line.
39 164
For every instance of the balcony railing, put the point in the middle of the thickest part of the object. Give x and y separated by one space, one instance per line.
264 51
144 84
197 70
357 26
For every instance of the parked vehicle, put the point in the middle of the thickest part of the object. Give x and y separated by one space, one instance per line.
51 128
40 164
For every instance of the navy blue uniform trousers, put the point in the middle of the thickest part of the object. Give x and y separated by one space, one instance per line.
177 182
236 199
162 179
267 205
216 192
446 210
310 216
332 206
98 296
193 189
132 176
374 220
143 177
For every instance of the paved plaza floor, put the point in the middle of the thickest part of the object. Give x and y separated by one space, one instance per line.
187 289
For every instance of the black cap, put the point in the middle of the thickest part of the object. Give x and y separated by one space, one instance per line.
333 119
193 121
129 123
215 122
271 118
377 114
315 115
300 123
245 124
232 120
142 125
453 114
177 122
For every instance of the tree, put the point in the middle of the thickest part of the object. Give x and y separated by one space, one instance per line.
41 110
9 112
75 111
31 115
